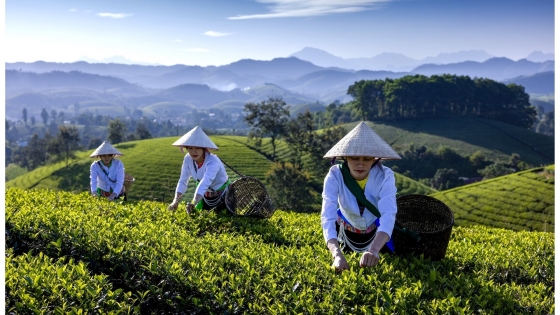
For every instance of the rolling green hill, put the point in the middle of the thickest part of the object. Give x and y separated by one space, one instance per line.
262 93
234 106
520 201
466 135
511 204
405 185
167 107
300 109
156 166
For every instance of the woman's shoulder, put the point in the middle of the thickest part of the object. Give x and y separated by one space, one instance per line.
211 157
383 171
334 171
386 170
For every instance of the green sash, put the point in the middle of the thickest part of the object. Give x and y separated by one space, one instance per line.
199 205
357 191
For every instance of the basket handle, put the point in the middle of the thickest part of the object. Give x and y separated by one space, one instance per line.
236 172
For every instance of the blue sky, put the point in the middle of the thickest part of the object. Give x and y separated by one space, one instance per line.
218 32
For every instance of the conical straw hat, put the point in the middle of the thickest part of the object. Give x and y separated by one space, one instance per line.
196 138
105 148
362 141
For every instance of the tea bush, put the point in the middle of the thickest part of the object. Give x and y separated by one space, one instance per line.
159 261
41 285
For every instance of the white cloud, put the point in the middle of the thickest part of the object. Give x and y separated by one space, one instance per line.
72 10
304 8
178 40
114 15
197 50
216 34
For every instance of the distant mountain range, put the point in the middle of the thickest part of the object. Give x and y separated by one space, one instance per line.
400 62
538 83
496 68
110 86
117 59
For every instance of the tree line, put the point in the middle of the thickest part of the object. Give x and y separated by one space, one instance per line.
419 96
54 143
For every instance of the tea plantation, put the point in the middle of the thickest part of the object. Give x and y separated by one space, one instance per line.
72 253
519 201
156 166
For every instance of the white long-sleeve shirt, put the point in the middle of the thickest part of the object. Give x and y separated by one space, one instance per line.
98 179
212 174
380 190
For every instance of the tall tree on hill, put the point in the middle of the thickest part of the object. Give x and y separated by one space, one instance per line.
268 118
142 132
282 178
368 96
24 113
69 138
299 136
519 109
53 116
33 120
53 145
33 155
445 179
117 130
44 116
94 143
320 145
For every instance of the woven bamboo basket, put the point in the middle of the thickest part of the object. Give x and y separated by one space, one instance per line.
431 219
247 196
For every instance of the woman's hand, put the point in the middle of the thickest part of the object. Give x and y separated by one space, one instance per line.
190 207
173 205
112 197
340 263
369 259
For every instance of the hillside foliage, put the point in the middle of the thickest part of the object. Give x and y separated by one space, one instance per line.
68 252
419 96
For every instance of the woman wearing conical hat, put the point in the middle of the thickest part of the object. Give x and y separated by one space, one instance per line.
207 170
107 173
359 197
